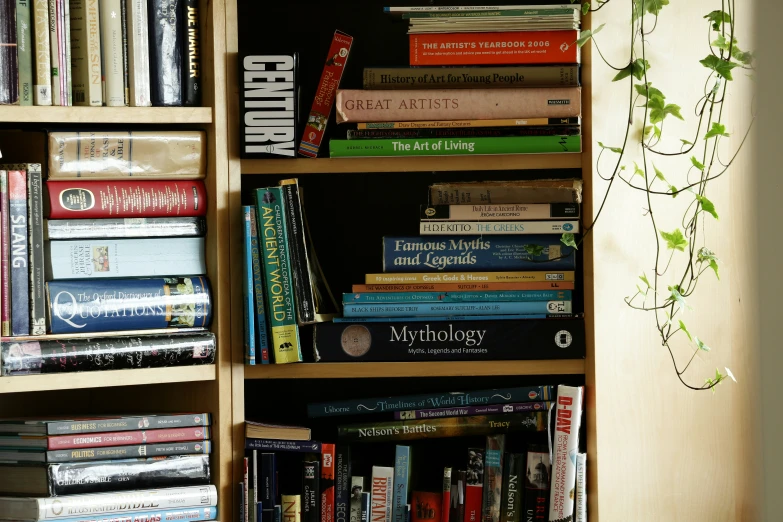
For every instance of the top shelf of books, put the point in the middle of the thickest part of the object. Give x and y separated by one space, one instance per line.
100 115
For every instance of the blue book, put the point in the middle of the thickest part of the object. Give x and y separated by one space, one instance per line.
365 506
444 318
108 305
259 291
470 253
457 297
431 400
248 306
451 309
278 514
402 477
189 514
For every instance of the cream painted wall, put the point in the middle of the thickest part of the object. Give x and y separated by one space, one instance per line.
664 452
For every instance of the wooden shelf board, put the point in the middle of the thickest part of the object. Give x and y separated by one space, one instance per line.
79 380
426 164
414 369
18 114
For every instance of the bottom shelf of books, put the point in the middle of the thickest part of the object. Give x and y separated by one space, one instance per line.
415 452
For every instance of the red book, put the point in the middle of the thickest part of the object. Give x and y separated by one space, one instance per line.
327 483
5 254
426 507
127 438
509 48
474 488
446 507
125 199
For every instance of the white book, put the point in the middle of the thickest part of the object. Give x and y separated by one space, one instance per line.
581 488
66 53
138 53
54 48
456 228
381 492
459 8
568 417
101 258
96 504
111 53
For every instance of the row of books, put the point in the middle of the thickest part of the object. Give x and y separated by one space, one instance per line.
72 469
137 53
482 483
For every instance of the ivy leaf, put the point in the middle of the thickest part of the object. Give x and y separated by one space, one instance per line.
697 163
585 35
585 7
616 150
674 110
718 129
686 142
659 174
707 255
643 277
534 250
568 240
684 329
648 91
674 190
657 109
722 67
718 18
701 344
651 6
745 58
707 205
637 171
676 296
675 240
624 73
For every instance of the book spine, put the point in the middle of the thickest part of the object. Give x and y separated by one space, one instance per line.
128 437
155 422
172 515
269 125
44 357
568 415
129 452
382 494
355 105
508 48
402 476
504 194
456 228
303 283
454 146
5 256
241 511
456 509
311 491
537 485
513 212
357 488
191 70
446 496
43 59
247 289
126 199
471 77
457 297
327 482
9 70
283 445
110 503
536 11
469 124
95 259
76 478
20 253
291 506
537 253
491 409
82 42
435 400
125 60
513 474
467 287
268 488
24 56
252 485
124 228
36 246
469 277
478 132
447 427
449 9
366 511
325 95
258 292
138 53
111 53
245 510
342 483
277 266
277 514
493 477
450 309
449 318
54 54
474 486
108 155
66 38
581 488
165 33
94 89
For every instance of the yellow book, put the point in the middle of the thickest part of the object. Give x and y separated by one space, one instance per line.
469 277
291 508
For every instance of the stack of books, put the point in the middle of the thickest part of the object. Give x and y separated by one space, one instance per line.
114 53
80 469
111 242
486 81
507 478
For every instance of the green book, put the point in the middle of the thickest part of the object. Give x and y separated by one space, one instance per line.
24 51
454 146
281 309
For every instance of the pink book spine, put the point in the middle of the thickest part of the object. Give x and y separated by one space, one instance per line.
127 438
5 253
457 104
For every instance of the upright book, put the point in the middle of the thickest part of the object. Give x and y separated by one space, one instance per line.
248 304
166 37
86 53
568 418
24 48
537 478
402 477
35 210
9 69
342 483
111 53
311 491
382 489
43 59
191 70
474 485
20 254
493 477
327 482
138 53
258 292
512 500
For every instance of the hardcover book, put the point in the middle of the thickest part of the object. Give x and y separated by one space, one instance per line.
248 304
493 477
291 508
55 46
195 514
444 278
402 478
20 253
382 490
469 132
191 70
512 501
43 57
124 228
104 424
471 77
426 506
581 488
268 485
488 212
269 445
470 124
568 418
269 105
258 293
311 489
86 53
464 286
369 310
445 509
537 478
166 37
366 506
138 53
454 146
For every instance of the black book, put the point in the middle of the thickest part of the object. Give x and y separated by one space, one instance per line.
9 70
267 494
191 71
311 491
342 483
125 62
513 481
537 477
303 284
165 36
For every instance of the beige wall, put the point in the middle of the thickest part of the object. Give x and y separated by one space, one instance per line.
664 452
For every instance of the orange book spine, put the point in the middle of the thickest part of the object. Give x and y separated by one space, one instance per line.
505 48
